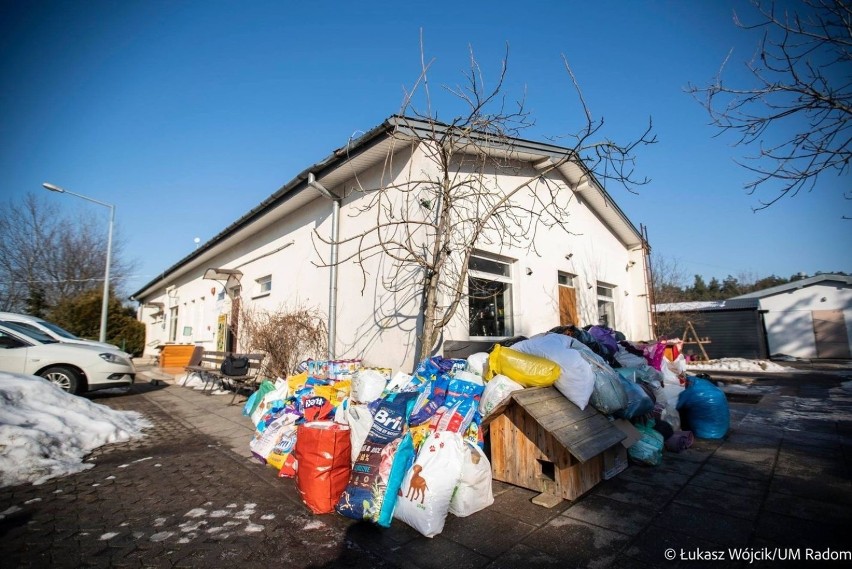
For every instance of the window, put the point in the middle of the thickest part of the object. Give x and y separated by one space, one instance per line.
606 305
8 342
264 284
173 323
489 287
567 279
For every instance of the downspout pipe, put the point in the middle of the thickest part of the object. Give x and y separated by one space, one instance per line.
332 284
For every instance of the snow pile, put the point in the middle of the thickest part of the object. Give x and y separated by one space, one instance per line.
195 381
45 432
738 364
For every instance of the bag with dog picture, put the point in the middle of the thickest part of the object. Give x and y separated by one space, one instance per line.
428 486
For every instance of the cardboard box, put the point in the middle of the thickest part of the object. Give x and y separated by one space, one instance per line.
614 461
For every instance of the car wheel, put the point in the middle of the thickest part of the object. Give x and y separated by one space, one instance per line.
64 377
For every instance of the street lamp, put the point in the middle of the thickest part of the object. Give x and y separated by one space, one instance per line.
111 207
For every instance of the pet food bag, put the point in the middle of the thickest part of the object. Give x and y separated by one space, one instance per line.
263 443
323 451
381 463
428 485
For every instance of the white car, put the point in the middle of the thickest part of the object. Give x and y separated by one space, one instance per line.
50 329
76 368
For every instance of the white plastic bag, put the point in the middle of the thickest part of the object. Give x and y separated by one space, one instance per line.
496 392
678 366
360 421
473 492
367 386
670 414
576 380
429 484
476 363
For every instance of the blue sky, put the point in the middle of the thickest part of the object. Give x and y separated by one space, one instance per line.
185 115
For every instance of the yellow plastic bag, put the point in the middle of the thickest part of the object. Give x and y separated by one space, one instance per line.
529 371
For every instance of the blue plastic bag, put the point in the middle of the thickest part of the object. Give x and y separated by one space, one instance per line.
703 409
638 401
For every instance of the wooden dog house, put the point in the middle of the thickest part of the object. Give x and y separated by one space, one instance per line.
545 443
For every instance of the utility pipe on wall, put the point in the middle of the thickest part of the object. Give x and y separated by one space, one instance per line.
332 285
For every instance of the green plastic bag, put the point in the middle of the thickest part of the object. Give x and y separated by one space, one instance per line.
649 448
256 397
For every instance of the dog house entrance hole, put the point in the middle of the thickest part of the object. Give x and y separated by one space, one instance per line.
548 469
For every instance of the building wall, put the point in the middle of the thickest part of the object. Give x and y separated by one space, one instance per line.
789 321
732 334
201 302
378 307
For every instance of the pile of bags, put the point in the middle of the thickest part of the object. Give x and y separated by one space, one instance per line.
377 448
374 447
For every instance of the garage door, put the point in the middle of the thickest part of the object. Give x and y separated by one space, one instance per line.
830 333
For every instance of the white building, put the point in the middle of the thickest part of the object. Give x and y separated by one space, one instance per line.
271 258
808 318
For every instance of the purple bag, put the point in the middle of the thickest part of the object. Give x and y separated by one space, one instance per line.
605 337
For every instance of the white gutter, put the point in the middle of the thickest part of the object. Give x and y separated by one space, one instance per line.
332 284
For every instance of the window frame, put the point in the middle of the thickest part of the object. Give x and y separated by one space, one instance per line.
264 286
608 300
505 277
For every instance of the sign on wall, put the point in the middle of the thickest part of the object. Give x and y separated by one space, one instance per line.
221 332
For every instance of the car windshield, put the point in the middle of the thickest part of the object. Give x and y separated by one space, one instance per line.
29 331
59 331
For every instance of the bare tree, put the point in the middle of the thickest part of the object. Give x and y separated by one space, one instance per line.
796 110
287 336
668 283
431 218
46 255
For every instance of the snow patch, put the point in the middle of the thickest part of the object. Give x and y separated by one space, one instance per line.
738 364
9 511
45 432
313 525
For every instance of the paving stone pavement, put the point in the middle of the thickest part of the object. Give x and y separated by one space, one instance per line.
189 495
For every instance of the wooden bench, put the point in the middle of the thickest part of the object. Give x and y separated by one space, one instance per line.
209 368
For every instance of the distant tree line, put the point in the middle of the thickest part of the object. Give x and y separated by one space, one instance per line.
729 287
52 266
670 286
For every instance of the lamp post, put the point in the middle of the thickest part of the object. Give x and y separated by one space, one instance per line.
105 304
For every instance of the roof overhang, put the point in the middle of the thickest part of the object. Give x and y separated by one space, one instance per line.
394 135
